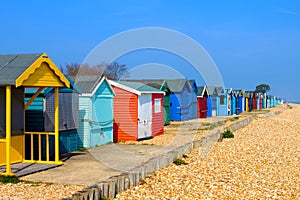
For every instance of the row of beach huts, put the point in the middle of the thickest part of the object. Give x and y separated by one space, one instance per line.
46 113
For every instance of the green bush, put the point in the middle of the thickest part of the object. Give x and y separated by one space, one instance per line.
228 134
9 179
82 149
179 161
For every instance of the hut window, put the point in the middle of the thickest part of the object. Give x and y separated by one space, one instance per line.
157 105
222 98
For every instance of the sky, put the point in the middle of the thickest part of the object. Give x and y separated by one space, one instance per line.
250 42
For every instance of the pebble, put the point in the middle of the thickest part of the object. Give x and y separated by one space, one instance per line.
262 161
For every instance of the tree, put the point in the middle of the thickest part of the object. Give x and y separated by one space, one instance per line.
112 71
115 71
263 88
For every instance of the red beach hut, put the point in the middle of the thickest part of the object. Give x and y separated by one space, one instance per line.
202 101
138 111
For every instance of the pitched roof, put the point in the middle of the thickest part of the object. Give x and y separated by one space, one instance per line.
210 89
156 83
13 65
201 91
89 84
86 83
140 86
176 85
135 87
16 69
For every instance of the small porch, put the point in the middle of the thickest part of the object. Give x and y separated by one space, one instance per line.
23 152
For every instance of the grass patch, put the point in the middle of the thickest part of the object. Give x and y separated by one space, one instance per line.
228 134
234 119
9 179
82 149
179 161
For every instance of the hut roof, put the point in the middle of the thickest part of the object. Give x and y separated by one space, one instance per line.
210 89
176 85
13 66
88 84
201 91
135 87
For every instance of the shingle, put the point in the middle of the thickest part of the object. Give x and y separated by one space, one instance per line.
13 65
139 86
86 83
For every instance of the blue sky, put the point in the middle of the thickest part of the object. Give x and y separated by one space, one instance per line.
251 42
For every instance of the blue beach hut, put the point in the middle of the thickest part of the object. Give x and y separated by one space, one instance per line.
234 104
222 102
183 100
193 107
239 101
95 111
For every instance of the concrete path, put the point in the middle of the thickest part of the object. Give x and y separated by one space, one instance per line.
100 163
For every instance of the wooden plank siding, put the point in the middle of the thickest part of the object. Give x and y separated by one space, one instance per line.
125 115
43 76
157 117
85 105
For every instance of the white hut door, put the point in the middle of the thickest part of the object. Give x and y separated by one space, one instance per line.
145 116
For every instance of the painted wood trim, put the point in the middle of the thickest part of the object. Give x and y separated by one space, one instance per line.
56 124
124 87
8 129
36 64
33 98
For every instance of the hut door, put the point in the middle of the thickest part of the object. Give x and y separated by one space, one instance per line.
145 116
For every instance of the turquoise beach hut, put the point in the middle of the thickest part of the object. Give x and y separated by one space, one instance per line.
95 111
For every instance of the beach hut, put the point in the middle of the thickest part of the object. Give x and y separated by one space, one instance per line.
39 116
95 110
211 109
260 101
193 107
19 71
254 100
162 86
264 100
231 102
249 101
183 100
202 101
222 101
138 111
234 105
241 95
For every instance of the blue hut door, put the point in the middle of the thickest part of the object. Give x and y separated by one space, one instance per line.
144 116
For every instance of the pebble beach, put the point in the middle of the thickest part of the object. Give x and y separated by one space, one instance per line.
262 161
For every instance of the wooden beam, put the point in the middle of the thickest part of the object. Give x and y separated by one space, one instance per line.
33 98
8 129
56 125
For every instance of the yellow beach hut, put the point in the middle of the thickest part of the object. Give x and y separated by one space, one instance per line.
17 72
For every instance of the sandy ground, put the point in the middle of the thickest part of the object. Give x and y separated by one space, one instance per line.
261 162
